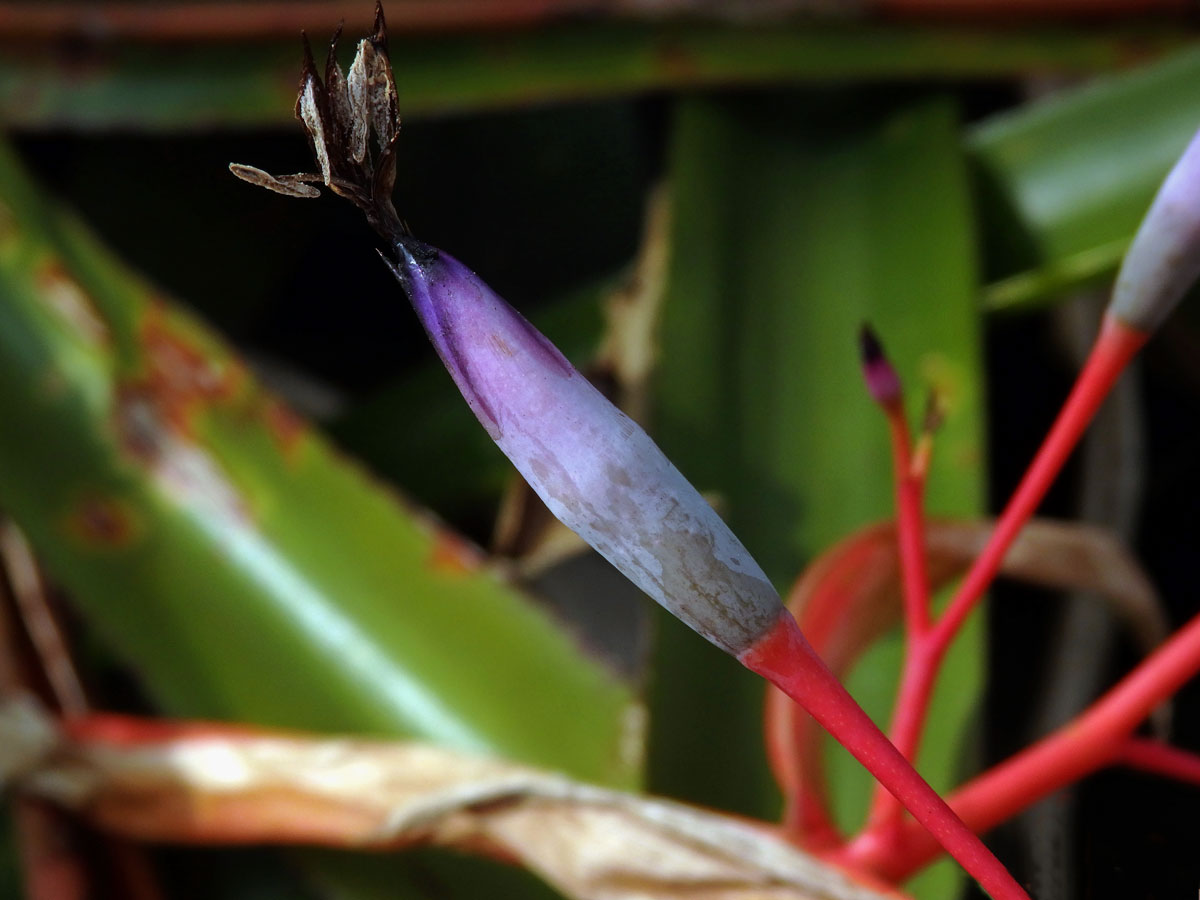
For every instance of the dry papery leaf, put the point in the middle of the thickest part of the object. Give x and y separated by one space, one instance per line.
212 784
851 595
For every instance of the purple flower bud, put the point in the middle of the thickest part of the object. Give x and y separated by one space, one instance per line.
1164 259
883 384
596 470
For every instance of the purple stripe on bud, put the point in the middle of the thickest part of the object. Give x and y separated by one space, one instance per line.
596 470
1164 259
882 381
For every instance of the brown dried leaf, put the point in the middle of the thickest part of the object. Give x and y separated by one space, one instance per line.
632 313
211 784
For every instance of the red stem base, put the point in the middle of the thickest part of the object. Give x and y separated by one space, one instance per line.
784 658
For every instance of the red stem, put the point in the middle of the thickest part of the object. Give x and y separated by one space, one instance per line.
1093 740
1161 759
784 658
926 645
916 683
806 818
905 732
910 526
1115 346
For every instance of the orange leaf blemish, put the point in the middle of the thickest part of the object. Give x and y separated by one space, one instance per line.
453 555
101 521
285 427
179 376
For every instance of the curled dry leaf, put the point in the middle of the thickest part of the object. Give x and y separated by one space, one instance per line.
212 784
851 595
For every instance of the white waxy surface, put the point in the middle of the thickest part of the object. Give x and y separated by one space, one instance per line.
1164 259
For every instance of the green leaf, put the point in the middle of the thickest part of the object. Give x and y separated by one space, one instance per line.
1066 180
796 217
198 86
237 564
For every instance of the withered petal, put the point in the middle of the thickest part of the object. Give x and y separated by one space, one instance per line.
314 123
288 185
335 87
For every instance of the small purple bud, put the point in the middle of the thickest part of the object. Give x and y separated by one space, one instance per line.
596 470
1164 259
883 383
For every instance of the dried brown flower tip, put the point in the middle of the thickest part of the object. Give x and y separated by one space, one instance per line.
339 114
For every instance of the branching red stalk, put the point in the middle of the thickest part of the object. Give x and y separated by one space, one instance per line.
1115 346
786 659
1097 738
925 650
926 643
884 385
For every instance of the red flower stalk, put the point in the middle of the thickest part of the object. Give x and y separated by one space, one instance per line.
1162 263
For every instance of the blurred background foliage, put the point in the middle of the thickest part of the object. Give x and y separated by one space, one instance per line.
965 177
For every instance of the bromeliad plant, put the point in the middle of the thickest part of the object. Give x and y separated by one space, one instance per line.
151 379
601 475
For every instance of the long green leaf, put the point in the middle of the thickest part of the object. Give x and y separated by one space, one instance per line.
193 86
236 563
1067 179
797 217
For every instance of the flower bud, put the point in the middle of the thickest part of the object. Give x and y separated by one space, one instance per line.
593 466
595 469
1164 259
883 383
